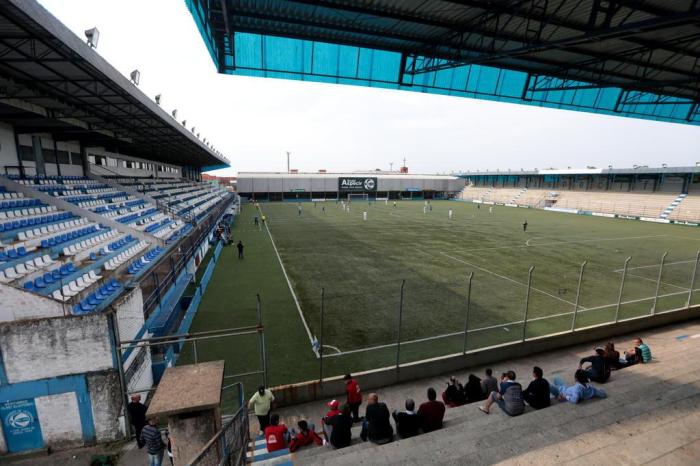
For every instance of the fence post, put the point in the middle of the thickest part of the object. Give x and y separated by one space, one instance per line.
527 300
261 332
466 314
658 283
320 341
622 286
194 347
578 295
398 333
692 280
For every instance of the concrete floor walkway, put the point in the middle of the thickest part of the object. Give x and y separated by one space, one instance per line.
652 415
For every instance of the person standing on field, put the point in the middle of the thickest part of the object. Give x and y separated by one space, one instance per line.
299 209
525 226
352 388
240 249
261 404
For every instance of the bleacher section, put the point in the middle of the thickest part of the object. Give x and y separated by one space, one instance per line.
638 204
81 262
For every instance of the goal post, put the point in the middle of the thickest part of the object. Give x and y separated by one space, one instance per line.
358 197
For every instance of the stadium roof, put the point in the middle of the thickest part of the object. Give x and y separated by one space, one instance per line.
618 57
51 81
640 170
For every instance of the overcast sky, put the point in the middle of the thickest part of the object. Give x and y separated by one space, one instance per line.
254 121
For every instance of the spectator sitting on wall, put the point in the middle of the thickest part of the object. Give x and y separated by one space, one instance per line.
509 397
612 356
326 420
581 390
454 393
276 434
376 427
407 422
472 390
431 412
489 383
644 348
306 436
341 434
537 393
599 371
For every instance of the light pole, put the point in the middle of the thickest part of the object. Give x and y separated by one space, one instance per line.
288 161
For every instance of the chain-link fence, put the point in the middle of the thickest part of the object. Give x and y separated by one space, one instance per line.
400 321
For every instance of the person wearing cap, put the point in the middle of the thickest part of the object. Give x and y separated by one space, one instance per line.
327 420
137 416
261 404
352 389
599 370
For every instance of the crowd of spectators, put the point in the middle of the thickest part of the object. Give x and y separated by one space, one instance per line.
507 393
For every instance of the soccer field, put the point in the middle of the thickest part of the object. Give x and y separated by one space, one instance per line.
361 265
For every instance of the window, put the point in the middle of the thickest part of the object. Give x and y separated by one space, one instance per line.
26 154
49 156
63 157
76 159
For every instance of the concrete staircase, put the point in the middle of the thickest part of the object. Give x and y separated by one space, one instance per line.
652 413
676 202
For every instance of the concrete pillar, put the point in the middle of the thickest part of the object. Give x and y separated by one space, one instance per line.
38 155
188 398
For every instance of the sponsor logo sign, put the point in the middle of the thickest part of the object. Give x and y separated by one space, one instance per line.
357 184
21 425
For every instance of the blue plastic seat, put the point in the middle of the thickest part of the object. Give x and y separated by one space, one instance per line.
28 286
12 254
56 274
86 307
48 278
21 251
39 283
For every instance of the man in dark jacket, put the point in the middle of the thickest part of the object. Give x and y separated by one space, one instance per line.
537 393
341 435
599 371
407 422
151 438
376 426
137 416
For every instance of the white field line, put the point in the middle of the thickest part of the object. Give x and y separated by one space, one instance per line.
654 281
596 240
653 266
509 279
291 288
491 327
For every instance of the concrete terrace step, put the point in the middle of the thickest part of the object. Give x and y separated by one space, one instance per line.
643 393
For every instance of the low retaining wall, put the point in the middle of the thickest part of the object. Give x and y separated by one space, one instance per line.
286 395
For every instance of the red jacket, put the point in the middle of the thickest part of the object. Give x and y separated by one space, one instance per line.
302 439
274 437
352 388
332 413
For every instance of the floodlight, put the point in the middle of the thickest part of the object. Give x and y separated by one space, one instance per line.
197 135
193 128
158 99
174 113
184 122
135 77
93 36
663 165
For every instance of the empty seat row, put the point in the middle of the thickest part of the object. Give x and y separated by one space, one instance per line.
9 274
39 232
76 286
104 293
65 237
49 278
9 195
11 254
18 203
26 212
125 256
89 243
144 260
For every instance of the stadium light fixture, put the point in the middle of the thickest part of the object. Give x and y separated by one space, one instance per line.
197 135
158 99
174 113
93 37
135 77
184 122
193 128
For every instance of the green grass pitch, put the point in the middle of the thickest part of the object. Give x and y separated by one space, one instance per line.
361 265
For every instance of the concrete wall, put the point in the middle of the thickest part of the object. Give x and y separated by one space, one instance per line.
16 304
280 184
286 395
3 447
129 309
8 148
40 349
106 405
60 420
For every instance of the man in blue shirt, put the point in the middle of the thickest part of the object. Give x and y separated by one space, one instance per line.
509 397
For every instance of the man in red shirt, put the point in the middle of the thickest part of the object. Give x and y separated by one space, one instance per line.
431 412
276 434
305 436
326 420
352 388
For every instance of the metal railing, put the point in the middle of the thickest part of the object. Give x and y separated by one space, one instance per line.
228 446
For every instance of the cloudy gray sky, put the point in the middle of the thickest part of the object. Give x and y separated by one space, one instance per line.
254 121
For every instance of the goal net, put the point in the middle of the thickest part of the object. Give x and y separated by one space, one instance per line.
358 197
